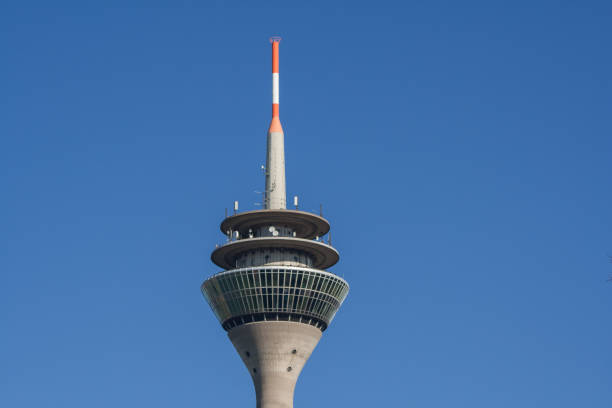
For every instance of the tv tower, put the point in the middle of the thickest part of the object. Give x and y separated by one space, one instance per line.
274 297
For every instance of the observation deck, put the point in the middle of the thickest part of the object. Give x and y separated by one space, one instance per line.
304 295
274 261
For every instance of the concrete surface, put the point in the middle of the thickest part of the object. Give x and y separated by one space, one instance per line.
275 352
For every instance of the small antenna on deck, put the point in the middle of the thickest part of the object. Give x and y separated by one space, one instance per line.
235 207
295 202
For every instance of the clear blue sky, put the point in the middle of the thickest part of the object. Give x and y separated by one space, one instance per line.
462 152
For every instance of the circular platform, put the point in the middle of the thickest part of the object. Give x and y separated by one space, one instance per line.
306 225
323 255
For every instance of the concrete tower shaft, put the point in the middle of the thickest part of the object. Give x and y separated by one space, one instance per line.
275 353
275 193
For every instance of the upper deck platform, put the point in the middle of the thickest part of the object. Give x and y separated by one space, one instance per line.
323 255
305 225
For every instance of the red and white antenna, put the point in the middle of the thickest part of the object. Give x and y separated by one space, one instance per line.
276 197
275 125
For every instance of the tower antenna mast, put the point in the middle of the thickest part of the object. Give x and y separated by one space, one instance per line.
276 196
